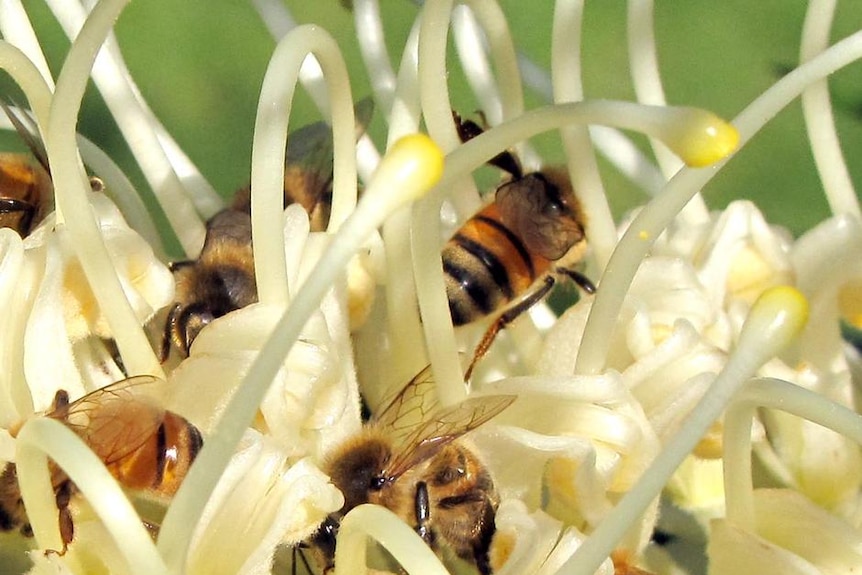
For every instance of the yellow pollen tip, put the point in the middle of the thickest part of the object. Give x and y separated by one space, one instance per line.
776 318
412 166
701 138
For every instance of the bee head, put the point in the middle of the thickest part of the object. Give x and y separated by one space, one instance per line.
357 469
542 210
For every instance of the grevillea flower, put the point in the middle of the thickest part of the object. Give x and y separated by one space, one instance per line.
714 335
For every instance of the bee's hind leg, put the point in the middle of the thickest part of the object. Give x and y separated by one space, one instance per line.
505 319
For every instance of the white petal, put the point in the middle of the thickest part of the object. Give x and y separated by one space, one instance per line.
260 502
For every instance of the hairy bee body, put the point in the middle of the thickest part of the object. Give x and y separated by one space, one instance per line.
421 472
486 266
219 281
506 257
501 252
222 279
145 447
462 502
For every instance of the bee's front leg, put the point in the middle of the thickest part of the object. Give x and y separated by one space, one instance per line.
423 513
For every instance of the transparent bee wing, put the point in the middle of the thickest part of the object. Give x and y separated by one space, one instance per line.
411 406
116 420
311 145
309 164
228 226
29 133
423 441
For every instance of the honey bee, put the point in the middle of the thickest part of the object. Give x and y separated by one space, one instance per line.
219 281
408 460
222 279
515 247
145 447
26 191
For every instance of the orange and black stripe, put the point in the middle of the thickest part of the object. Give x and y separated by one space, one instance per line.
486 266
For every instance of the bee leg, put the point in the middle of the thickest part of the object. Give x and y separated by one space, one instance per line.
172 332
168 333
580 279
188 324
483 544
422 507
152 529
67 527
505 319
324 541
61 400
297 552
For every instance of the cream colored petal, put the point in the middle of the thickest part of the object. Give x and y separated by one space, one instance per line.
309 405
17 283
48 328
522 540
260 502
793 535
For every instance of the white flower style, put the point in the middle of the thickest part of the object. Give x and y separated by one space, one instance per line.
646 387
791 535
261 501
314 402
58 311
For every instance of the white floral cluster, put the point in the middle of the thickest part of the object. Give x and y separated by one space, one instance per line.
690 359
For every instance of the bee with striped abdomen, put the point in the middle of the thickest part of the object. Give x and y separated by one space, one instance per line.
145 447
408 459
515 247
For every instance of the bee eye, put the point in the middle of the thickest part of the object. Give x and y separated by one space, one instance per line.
377 483
552 209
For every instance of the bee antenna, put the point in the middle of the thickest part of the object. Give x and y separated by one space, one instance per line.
505 160
580 279
298 551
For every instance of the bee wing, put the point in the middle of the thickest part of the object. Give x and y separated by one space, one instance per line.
423 441
115 420
228 226
29 133
411 406
311 145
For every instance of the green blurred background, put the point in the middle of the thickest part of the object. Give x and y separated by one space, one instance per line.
200 64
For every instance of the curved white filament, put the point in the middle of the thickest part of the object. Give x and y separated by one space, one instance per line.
270 138
581 160
773 394
138 131
41 438
72 188
660 212
819 121
380 524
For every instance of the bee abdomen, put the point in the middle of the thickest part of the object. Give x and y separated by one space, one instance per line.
183 441
486 266
159 465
